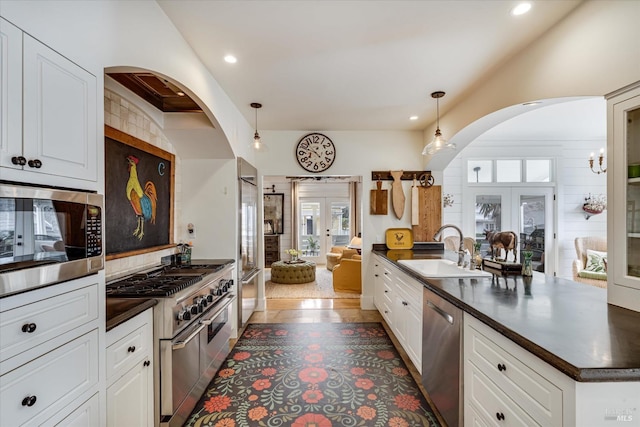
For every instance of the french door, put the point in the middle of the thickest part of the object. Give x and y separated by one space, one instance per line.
323 222
527 211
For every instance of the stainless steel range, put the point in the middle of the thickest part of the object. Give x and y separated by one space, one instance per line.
192 327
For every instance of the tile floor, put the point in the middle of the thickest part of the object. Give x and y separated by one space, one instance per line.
329 310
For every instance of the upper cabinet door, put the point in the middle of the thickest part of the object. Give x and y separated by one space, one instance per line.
60 132
10 93
623 192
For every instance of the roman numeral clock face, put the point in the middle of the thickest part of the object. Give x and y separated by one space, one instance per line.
315 152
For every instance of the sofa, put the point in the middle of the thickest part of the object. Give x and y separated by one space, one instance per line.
337 253
590 267
347 276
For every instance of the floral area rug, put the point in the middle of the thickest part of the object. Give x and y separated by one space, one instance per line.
313 375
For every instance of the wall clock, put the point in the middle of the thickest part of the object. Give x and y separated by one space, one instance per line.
315 152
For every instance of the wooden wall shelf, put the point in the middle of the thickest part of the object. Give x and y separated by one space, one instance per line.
406 175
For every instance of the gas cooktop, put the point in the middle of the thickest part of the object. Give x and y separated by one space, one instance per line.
151 286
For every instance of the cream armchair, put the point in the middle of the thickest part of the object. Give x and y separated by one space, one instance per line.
337 254
581 275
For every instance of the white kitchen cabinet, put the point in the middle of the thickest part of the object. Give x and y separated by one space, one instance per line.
623 127
49 367
398 297
48 113
129 372
506 385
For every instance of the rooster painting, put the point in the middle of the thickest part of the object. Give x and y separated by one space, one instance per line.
142 201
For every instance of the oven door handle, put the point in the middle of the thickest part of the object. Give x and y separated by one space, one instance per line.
250 276
182 343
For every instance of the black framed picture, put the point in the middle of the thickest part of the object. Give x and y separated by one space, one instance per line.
139 188
273 204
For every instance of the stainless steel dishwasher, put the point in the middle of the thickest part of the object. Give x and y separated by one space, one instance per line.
441 356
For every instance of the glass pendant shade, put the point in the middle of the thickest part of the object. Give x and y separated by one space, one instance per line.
257 144
438 142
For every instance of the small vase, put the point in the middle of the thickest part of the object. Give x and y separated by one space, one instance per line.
527 269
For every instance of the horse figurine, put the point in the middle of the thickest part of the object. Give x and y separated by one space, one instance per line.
507 240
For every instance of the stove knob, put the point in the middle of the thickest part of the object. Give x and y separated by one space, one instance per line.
194 309
209 298
218 291
184 315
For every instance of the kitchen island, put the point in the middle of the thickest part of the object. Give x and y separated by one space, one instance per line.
588 349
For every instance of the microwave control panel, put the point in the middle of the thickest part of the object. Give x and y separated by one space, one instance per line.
94 231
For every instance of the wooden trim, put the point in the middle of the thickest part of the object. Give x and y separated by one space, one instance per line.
406 175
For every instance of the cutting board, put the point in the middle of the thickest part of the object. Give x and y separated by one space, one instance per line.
379 198
397 193
429 213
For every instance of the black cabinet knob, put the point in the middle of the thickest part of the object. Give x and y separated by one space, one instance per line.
131 349
29 328
146 363
19 160
29 401
501 367
35 163
405 303
500 416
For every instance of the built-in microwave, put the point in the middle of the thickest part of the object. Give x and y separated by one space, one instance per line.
47 236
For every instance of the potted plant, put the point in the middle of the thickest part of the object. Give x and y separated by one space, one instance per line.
294 254
313 245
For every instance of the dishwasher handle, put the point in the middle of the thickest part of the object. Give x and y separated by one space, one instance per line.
441 312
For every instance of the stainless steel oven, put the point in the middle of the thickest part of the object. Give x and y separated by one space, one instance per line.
189 361
47 236
191 326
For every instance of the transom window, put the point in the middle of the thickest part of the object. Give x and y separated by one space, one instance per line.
509 170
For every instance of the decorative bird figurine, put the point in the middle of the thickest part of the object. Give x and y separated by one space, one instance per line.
142 201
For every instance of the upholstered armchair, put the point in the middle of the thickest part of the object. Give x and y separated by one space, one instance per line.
582 271
337 254
347 276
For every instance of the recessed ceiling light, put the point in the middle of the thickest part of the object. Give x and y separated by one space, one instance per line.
531 103
230 59
180 93
521 9
413 118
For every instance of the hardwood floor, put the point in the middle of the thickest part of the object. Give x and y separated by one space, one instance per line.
330 310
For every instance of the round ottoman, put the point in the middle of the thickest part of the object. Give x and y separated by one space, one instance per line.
294 273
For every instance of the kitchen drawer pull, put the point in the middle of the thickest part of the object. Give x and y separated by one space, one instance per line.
146 363
501 367
19 160
386 291
29 328
29 401
441 312
34 163
375 275
131 349
500 416
405 303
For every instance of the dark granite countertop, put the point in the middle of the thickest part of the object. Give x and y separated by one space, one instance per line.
569 325
119 310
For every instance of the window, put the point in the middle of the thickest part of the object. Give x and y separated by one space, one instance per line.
509 170
480 171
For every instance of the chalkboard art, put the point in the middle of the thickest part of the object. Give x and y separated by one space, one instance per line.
139 180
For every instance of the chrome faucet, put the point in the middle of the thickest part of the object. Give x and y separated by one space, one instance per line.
438 236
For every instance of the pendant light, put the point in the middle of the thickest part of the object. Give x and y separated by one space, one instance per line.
438 142
257 144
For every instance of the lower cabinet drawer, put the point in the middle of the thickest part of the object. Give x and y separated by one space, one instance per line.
493 406
44 386
86 415
128 344
26 326
540 398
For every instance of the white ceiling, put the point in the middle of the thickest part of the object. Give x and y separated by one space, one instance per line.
354 65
